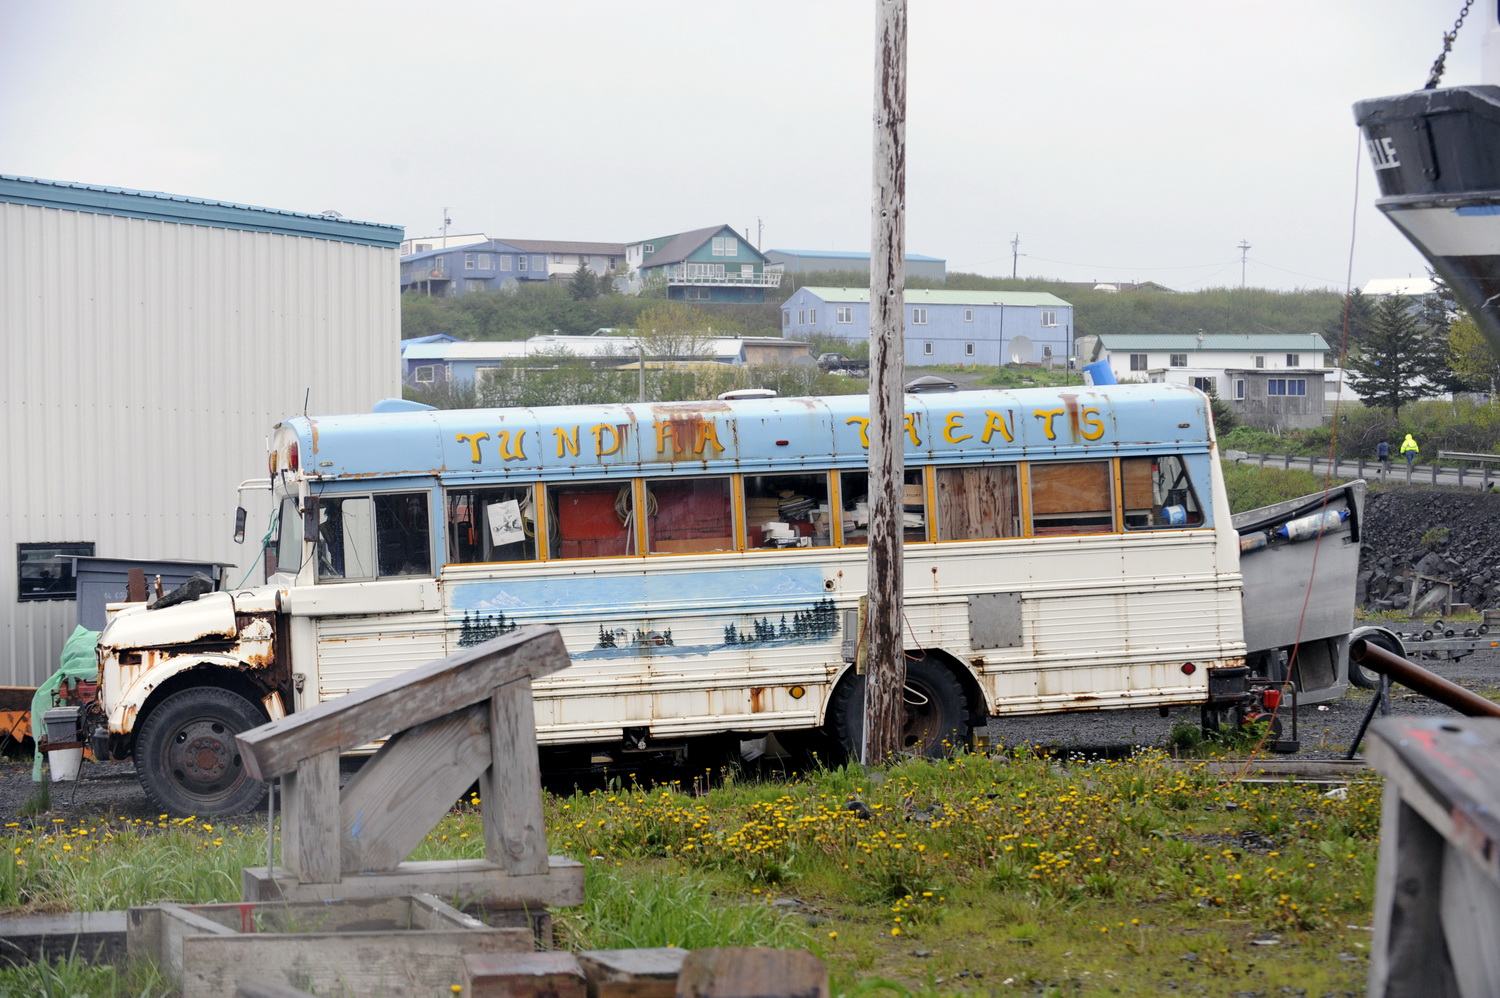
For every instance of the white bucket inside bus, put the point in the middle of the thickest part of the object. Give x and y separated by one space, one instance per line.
64 763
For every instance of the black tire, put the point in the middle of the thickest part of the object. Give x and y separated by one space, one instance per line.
1369 679
186 756
936 722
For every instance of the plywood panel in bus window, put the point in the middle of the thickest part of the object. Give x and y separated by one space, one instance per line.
1080 487
1135 475
977 503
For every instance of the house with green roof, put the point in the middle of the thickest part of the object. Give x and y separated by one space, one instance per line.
989 328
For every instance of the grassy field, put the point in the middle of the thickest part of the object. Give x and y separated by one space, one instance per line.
1002 873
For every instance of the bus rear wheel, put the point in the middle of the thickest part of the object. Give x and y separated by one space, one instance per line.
935 721
187 757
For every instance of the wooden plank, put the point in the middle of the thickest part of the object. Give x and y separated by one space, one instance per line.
431 912
1470 904
752 972
460 882
632 973
523 975
402 701
511 796
310 829
395 799
1408 955
335 963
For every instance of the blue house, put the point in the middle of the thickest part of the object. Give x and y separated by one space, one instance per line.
991 328
460 270
708 265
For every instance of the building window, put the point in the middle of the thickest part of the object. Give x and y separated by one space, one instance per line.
468 261
812 317
845 314
1049 317
504 261
424 247
1286 386
1177 360
968 349
1202 384
648 248
919 317
698 294
1294 360
726 246
927 348
484 261
968 315
1239 389
45 571
557 258
521 262
786 317
801 317
1260 361
1138 362
473 285
424 375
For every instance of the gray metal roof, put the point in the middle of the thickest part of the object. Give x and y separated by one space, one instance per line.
919 296
564 246
1239 342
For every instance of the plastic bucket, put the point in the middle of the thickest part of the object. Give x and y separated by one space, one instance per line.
1098 373
64 763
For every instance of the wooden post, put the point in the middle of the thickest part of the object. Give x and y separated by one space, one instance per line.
886 674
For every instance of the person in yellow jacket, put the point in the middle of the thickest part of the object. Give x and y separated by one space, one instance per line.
1409 449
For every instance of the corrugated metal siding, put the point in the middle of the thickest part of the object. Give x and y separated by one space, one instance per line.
145 365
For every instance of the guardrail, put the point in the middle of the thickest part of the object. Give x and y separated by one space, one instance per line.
1486 478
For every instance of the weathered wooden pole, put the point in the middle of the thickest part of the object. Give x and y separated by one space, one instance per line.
885 671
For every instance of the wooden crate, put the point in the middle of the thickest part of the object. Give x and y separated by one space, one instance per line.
403 945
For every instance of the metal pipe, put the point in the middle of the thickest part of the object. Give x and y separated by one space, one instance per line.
1420 680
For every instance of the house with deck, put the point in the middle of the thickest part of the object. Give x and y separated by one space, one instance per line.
709 265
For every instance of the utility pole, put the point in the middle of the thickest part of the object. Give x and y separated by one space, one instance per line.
760 230
1244 248
1015 245
885 670
446 222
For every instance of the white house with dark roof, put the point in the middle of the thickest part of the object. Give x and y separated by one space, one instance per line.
565 256
988 328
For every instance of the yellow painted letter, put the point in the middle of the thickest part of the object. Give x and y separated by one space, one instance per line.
994 421
663 431
473 439
509 453
911 429
1047 416
864 429
566 442
710 435
954 422
1091 421
614 442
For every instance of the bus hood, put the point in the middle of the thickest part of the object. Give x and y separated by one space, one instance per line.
206 618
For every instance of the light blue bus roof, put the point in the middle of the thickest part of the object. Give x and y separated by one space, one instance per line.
753 435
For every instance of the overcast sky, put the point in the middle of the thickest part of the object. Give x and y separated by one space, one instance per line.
1121 141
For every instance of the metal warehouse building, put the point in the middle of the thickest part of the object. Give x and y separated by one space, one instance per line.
151 342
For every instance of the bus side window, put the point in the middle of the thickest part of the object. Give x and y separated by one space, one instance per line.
403 534
593 520
1158 493
854 489
978 502
783 511
689 515
346 540
1072 498
490 525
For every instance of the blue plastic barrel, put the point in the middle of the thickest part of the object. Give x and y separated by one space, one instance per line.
1098 373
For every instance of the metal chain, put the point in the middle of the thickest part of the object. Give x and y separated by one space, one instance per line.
1437 67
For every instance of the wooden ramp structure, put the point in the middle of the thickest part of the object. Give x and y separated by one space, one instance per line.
463 719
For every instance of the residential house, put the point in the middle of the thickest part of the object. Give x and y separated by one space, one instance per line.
564 258
715 264
1288 399
1123 287
988 328
422 244
813 261
491 265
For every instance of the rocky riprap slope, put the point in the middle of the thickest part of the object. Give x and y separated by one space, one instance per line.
1451 534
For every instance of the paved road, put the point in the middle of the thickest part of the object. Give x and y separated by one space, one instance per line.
1421 474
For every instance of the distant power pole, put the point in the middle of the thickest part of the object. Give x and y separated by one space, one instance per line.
1244 248
885 669
1015 245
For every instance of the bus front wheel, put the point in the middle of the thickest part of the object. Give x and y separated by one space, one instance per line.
187 757
934 720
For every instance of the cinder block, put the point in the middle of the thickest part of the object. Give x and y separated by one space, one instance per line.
523 975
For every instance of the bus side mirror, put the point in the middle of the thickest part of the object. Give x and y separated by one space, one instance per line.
239 525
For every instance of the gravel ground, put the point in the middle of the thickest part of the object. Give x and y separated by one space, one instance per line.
111 790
